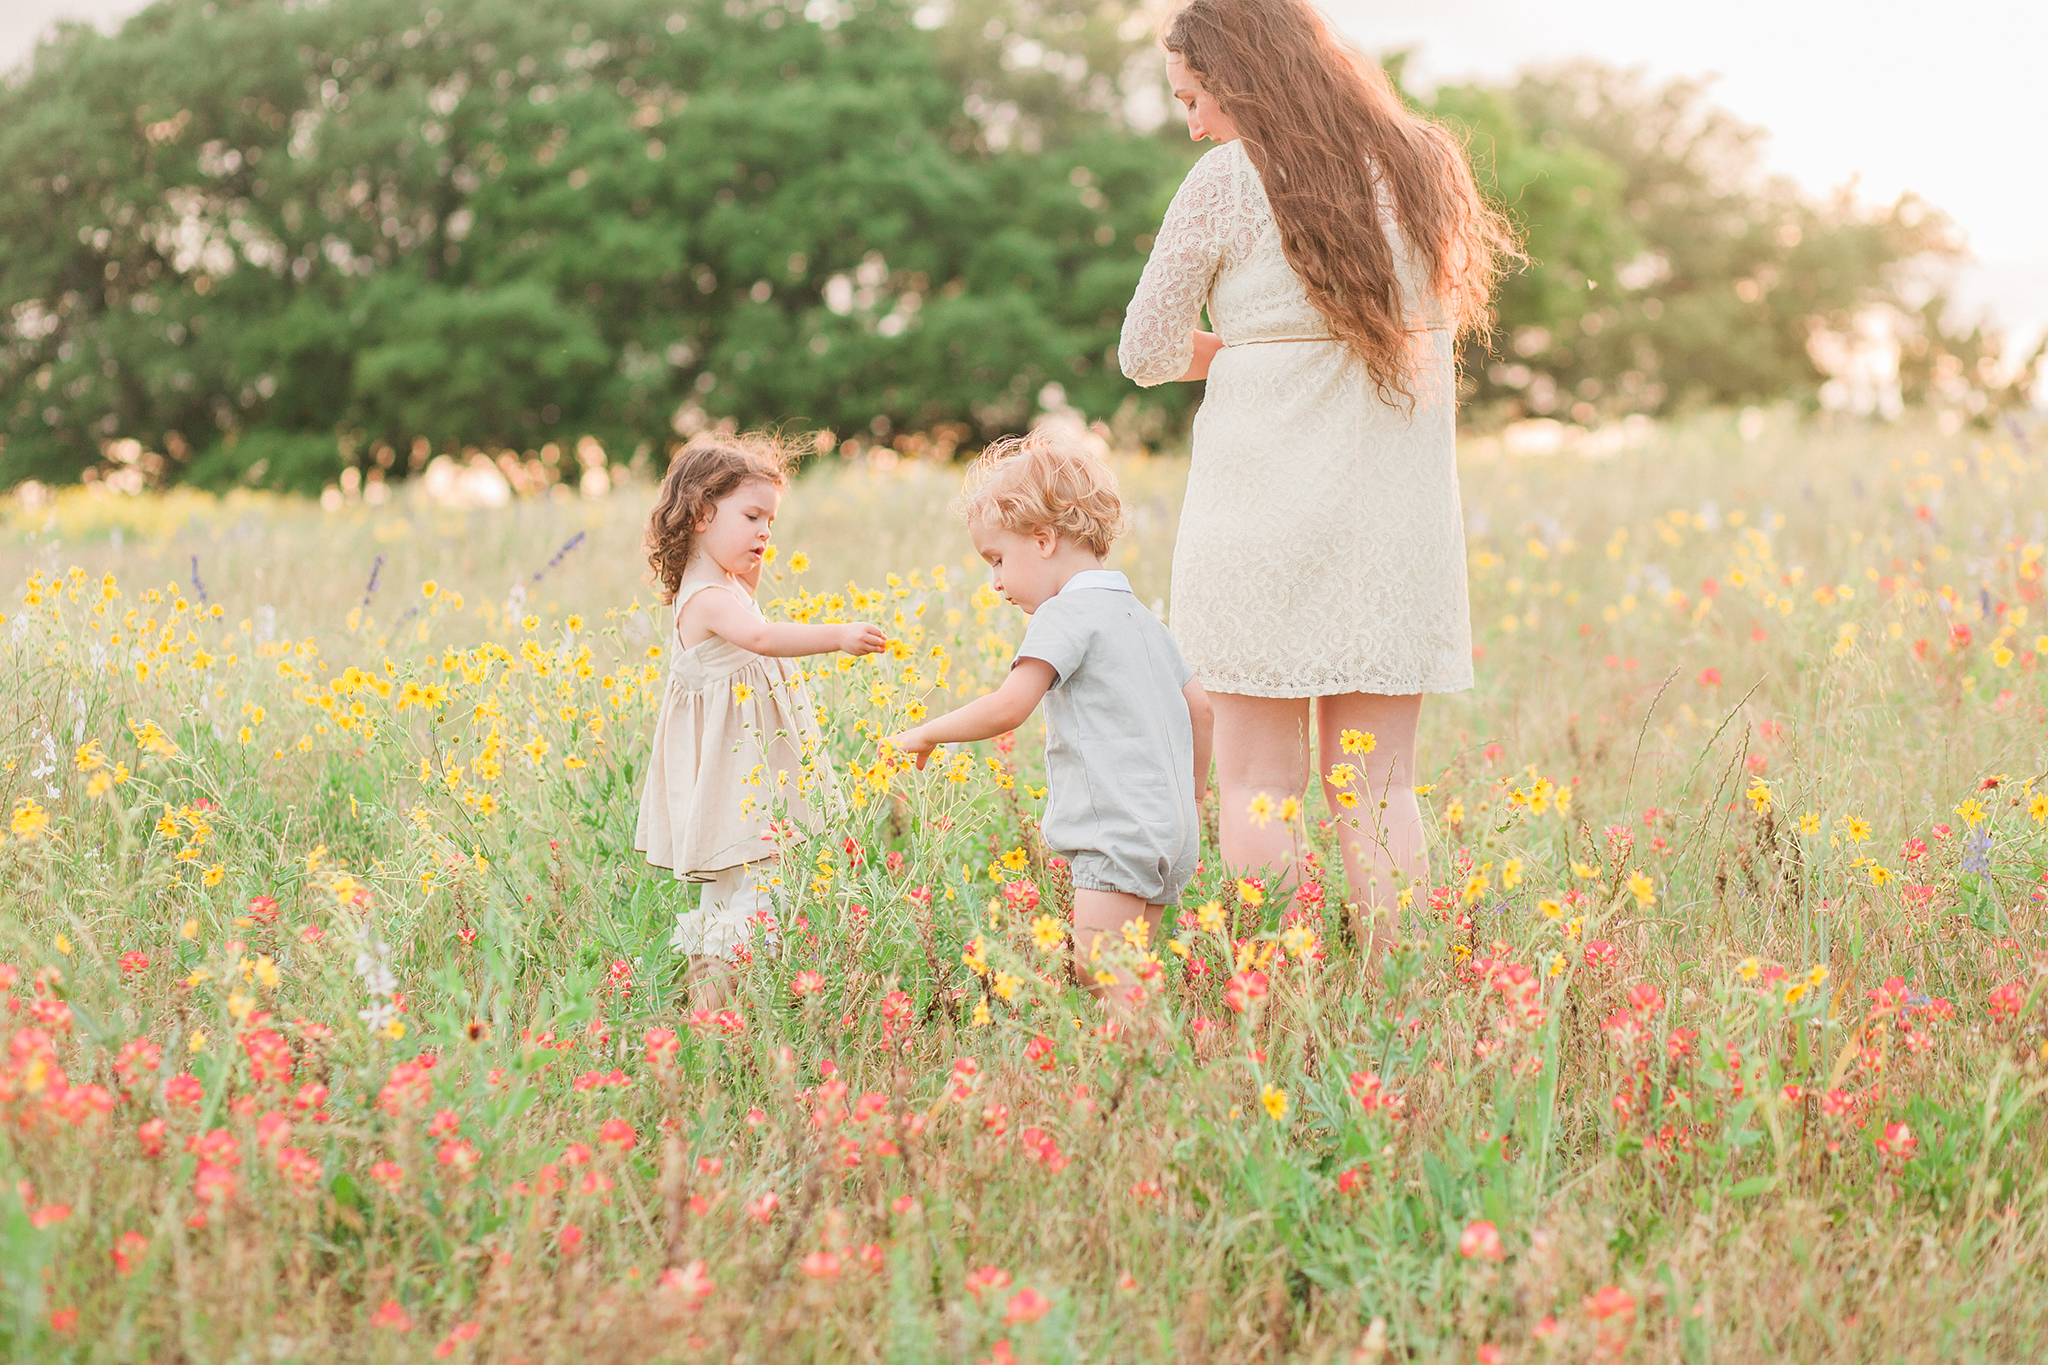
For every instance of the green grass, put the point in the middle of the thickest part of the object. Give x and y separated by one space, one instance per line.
1741 677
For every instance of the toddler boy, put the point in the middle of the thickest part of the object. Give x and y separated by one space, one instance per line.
1127 726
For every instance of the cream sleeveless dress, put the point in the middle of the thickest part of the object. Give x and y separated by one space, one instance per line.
736 745
1321 546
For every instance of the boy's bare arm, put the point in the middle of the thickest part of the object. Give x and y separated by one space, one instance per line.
1203 715
998 713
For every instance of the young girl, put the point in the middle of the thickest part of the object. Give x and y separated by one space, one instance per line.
737 733
1127 725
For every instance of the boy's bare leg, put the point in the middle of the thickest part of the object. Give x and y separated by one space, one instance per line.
1099 920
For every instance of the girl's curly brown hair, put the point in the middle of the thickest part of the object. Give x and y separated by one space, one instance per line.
709 468
1331 140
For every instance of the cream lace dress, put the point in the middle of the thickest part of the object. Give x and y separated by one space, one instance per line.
1321 546
736 745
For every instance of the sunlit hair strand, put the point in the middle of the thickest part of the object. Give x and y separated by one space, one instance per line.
1323 125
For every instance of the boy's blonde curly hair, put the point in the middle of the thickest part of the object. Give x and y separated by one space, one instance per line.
1050 480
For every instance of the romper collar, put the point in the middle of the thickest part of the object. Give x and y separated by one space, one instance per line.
1109 580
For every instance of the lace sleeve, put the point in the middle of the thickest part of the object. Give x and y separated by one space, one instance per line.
1158 342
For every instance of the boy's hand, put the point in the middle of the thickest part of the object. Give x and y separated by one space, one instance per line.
861 637
910 742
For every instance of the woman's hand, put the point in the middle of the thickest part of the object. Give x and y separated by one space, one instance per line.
1207 344
861 637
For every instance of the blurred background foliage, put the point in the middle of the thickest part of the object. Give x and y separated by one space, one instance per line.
261 241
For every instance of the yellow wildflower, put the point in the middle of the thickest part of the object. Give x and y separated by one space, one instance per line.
30 821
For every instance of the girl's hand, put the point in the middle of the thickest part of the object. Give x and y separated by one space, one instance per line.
861 637
910 742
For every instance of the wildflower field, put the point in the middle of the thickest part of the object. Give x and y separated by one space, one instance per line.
341 1022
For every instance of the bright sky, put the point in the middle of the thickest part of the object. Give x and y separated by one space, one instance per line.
1941 99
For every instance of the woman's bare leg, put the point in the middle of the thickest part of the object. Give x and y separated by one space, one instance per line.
1382 836
1262 749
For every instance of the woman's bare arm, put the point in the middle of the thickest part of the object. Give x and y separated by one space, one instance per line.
1207 344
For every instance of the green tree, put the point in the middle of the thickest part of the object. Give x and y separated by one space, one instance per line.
386 228
1665 269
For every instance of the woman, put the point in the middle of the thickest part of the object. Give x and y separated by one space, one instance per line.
1339 245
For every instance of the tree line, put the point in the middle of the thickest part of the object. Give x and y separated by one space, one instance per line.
266 240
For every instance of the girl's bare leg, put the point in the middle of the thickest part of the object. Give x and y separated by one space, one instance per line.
1381 834
1262 749
709 982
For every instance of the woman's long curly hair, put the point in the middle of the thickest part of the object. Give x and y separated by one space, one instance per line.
706 470
1327 133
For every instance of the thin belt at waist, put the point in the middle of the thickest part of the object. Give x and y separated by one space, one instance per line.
1268 341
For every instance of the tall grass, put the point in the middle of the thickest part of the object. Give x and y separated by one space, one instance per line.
343 1025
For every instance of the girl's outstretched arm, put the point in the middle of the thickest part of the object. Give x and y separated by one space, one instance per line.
998 713
723 616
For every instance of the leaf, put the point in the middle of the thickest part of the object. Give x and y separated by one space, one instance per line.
1752 1187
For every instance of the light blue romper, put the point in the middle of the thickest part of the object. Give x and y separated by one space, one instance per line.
1119 744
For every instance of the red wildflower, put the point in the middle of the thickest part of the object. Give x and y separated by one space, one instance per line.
1026 1305
460 1156
661 1048
1610 1301
1481 1242
392 1316
136 1056
691 1282
1245 989
298 1166
987 1278
217 1146
128 1251
151 1136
